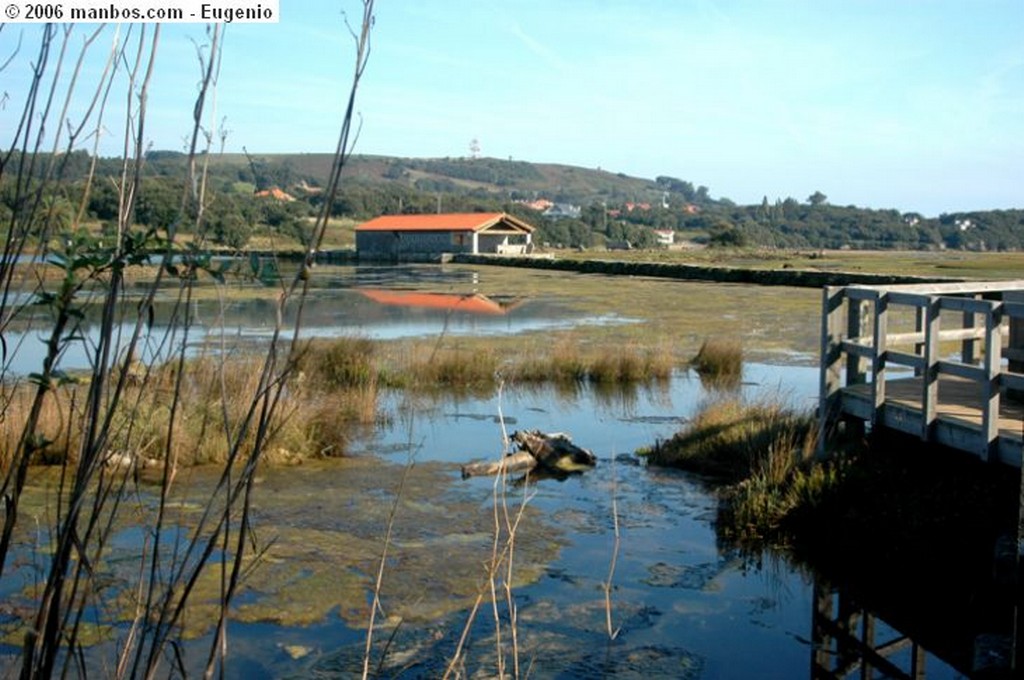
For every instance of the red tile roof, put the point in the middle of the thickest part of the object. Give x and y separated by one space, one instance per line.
443 222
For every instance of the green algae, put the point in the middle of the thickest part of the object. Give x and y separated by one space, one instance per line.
318 536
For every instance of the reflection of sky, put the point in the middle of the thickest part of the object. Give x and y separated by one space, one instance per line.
457 324
608 424
334 308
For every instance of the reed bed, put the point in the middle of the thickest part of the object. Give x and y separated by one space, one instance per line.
333 390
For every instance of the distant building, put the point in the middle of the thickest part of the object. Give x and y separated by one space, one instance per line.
563 210
276 194
665 237
540 205
423 237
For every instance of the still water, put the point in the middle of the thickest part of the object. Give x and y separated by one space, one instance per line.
382 303
682 605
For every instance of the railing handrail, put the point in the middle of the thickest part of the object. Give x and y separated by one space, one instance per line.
847 338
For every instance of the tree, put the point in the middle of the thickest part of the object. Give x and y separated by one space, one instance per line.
724 234
817 198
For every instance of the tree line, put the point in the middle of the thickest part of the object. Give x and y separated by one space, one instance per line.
234 211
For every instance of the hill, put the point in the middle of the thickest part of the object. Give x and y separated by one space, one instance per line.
570 206
502 178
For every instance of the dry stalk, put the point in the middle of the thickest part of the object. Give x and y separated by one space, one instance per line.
607 585
90 496
375 606
506 525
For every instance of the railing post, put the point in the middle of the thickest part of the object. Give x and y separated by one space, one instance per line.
1017 657
1015 345
930 375
919 327
990 383
879 346
831 361
968 355
856 312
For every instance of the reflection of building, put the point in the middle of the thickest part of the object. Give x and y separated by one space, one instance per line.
472 304
411 237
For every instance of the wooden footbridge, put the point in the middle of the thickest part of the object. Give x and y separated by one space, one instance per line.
944 362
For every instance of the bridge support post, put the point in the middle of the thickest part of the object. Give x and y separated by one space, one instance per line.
1017 656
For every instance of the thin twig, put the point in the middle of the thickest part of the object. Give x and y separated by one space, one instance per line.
607 585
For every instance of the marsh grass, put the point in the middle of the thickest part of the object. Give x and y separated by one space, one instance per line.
333 391
719 363
763 451
571 362
733 439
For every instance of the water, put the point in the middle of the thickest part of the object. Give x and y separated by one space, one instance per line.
383 303
683 605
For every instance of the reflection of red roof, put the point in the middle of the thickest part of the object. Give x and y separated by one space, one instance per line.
476 304
443 222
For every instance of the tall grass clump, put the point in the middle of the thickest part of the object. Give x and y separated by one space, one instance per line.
733 439
340 363
459 368
628 365
569 362
764 453
757 508
719 363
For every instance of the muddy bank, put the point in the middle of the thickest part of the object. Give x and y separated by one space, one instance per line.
804 278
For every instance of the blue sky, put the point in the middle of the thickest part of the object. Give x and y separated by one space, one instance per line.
914 105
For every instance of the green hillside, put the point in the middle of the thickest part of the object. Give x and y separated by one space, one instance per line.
502 178
598 208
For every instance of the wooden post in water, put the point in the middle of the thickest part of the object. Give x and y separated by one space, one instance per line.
1017 653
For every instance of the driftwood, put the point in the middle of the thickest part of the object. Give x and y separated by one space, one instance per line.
552 451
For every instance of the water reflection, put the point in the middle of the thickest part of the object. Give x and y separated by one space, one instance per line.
471 303
383 303
850 640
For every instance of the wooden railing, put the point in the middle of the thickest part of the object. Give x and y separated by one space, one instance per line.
988 333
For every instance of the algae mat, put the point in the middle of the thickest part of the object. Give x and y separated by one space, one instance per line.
318 532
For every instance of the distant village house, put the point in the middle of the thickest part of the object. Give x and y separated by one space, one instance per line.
425 237
563 210
276 194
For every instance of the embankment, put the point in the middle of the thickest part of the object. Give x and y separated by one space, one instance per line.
805 278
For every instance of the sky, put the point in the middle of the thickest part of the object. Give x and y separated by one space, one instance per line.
916 105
